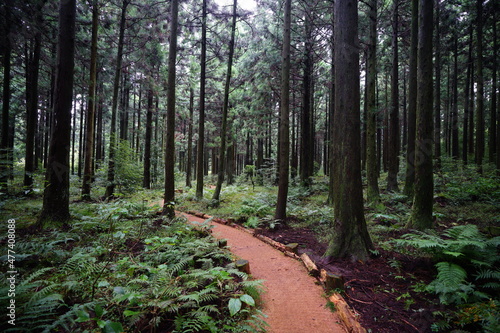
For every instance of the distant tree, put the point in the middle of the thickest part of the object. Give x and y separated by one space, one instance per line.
225 107
480 88
284 130
168 206
110 187
56 194
146 176
88 169
421 214
350 238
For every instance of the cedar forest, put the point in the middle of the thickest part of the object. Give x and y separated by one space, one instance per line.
371 126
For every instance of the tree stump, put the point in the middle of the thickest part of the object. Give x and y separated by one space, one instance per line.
243 266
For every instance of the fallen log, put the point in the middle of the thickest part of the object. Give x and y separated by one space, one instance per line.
346 314
310 265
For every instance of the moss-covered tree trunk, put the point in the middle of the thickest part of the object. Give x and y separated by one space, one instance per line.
200 147
480 88
350 238
421 214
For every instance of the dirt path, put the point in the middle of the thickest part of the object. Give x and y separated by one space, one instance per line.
292 301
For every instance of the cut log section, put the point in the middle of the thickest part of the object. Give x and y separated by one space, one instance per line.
310 265
243 266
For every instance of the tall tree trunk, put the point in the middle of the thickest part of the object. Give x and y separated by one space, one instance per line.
493 108
88 170
421 214
437 100
284 142
373 194
33 64
168 206
223 135
480 89
307 143
56 194
5 151
349 237
189 168
146 177
454 109
110 188
394 132
412 103
467 103
200 160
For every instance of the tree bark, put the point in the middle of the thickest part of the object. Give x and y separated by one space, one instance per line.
421 214
373 194
200 149
5 150
223 135
169 198
33 64
412 103
88 170
480 89
467 103
394 132
437 103
284 142
349 236
56 194
189 167
146 179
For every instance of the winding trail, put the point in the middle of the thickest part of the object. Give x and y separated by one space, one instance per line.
293 302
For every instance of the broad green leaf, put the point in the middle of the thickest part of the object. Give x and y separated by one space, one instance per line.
83 316
234 306
247 299
98 311
128 313
113 327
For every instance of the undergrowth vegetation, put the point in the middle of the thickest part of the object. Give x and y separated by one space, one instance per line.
122 268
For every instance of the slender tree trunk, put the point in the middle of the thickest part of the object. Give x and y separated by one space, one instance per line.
110 188
454 109
168 206
349 236
5 151
480 89
189 168
373 194
146 179
307 143
223 135
412 103
493 108
465 151
284 142
200 160
421 214
88 170
33 64
437 103
56 194
394 132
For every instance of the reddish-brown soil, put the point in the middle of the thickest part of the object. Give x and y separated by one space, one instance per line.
379 290
292 301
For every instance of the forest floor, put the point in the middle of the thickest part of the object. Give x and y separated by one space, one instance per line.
292 301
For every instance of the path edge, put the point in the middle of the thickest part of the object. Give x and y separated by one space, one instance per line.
346 314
